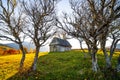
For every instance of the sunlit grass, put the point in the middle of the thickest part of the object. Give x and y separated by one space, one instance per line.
9 64
69 65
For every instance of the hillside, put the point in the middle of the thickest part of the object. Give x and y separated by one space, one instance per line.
4 50
5 46
68 66
28 45
16 46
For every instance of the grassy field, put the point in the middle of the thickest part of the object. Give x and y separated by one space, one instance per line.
58 66
9 64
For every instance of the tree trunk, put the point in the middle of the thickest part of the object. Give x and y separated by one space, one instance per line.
83 51
89 49
23 56
107 58
118 64
81 46
94 60
34 64
113 47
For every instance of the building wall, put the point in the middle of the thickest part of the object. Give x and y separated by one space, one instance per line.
55 48
61 48
68 48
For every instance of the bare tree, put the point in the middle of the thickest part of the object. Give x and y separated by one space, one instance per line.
104 12
115 36
80 26
41 23
11 24
92 23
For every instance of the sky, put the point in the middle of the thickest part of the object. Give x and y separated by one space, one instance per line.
63 6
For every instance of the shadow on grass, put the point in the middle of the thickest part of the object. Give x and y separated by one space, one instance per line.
26 75
104 75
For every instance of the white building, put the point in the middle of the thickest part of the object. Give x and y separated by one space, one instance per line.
59 45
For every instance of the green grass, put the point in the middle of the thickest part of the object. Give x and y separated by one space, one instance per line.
68 66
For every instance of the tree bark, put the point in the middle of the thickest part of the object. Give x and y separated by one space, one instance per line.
23 56
83 51
113 47
34 64
118 64
107 58
81 46
94 58
89 49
